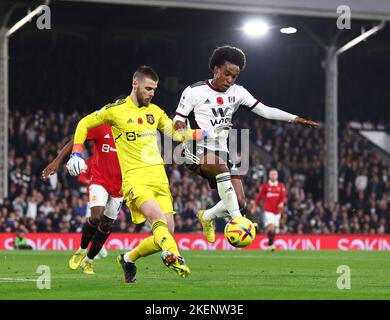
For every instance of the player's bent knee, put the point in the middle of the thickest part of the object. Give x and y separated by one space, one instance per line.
97 213
151 210
271 228
155 215
212 170
220 168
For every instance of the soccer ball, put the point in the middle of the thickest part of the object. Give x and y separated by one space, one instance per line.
240 232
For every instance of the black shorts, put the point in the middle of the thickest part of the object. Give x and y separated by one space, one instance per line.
193 153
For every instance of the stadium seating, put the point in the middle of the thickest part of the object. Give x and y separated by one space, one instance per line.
59 204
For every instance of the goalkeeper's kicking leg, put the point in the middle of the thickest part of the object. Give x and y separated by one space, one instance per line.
162 239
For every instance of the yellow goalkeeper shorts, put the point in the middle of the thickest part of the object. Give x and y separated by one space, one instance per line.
139 193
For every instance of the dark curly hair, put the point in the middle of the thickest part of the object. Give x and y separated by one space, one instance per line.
227 53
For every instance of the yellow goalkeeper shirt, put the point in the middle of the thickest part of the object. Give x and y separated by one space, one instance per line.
135 131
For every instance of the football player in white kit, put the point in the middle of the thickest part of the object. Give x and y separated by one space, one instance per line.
214 102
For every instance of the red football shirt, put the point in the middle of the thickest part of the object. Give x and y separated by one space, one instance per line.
104 166
273 195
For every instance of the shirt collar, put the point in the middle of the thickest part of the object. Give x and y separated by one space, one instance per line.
131 103
209 83
273 184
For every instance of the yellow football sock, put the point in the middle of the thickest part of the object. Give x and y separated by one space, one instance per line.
163 238
145 248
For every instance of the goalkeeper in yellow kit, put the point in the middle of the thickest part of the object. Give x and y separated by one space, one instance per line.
134 122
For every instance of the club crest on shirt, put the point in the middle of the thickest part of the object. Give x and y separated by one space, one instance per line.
150 118
130 196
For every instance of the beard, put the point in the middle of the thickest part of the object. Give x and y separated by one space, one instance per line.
143 102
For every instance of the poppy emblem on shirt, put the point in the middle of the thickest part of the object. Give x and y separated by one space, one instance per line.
150 118
219 100
140 121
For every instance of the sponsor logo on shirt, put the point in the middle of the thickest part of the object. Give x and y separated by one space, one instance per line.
132 136
220 113
271 195
107 136
207 101
107 148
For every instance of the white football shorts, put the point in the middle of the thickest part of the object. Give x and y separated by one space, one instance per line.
99 197
271 218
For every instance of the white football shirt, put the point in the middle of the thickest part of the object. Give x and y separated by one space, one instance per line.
213 108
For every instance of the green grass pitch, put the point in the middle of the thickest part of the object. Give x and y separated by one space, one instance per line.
216 275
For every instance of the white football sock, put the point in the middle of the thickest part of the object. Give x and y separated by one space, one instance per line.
218 211
81 250
88 259
227 194
126 257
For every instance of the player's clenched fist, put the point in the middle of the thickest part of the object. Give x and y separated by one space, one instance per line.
76 164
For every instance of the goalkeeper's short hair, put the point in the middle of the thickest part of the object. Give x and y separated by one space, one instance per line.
145 72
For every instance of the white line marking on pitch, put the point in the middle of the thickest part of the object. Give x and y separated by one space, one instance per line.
19 280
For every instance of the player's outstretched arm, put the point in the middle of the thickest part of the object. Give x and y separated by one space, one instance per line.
53 166
305 122
278 114
181 134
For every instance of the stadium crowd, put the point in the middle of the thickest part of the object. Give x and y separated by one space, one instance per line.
60 203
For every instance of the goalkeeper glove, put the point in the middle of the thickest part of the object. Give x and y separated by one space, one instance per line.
214 133
76 164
